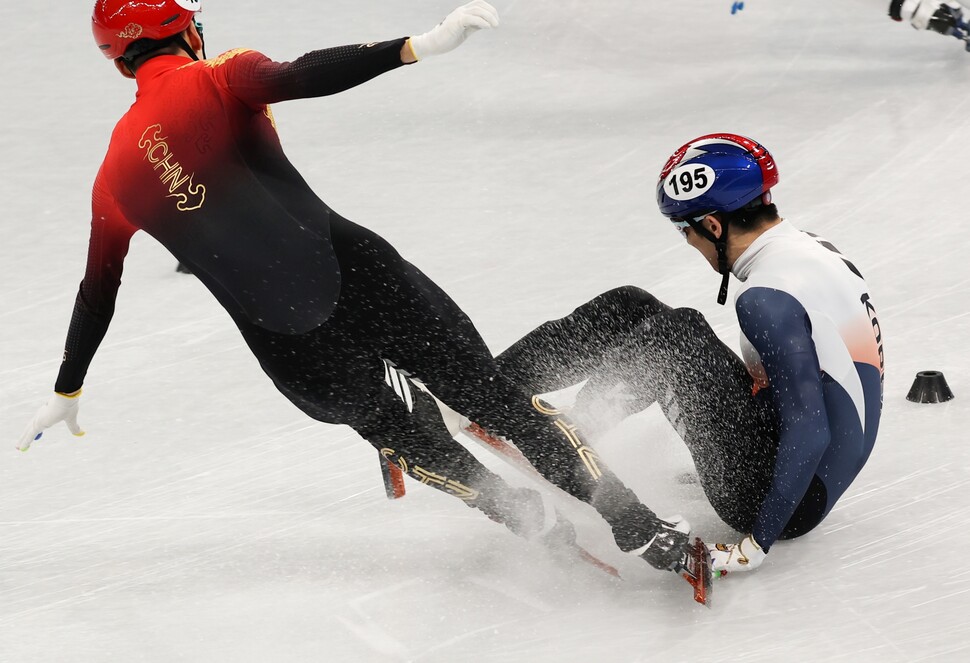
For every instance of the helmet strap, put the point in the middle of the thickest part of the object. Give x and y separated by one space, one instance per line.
720 243
722 264
129 59
180 40
198 28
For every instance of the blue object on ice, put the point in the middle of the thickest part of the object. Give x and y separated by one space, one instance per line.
736 7
38 436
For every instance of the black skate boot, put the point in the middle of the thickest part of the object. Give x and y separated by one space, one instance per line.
663 543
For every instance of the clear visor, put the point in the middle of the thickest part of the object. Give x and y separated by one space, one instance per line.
681 225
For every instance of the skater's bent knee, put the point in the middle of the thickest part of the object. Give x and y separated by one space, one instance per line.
631 301
682 318
690 316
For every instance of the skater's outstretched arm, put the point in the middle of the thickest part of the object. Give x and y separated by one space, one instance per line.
258 80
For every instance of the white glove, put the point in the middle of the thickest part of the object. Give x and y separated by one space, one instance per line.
451 32
746 555
58 408
932 15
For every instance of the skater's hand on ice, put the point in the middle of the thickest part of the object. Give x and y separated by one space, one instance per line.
746 555
60 407
451 32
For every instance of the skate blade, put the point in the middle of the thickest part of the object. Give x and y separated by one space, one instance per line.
592 560
698 572
393 480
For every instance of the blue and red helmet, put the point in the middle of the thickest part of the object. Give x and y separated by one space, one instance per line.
715 173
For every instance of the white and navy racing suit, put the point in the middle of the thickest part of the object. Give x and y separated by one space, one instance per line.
777 437
811 336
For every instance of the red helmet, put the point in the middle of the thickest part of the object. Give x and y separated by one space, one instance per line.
117 24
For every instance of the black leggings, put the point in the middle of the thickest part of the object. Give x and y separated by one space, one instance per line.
391 320
628 343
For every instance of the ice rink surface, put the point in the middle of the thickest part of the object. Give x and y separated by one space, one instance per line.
203 518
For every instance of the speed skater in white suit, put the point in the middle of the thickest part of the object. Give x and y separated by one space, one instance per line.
776 437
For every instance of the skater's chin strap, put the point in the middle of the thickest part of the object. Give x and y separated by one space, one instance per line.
198 27
722 264
720 243
180 40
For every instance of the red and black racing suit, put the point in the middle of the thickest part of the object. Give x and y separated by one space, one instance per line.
329 308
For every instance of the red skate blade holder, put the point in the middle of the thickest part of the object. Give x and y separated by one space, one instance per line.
698 572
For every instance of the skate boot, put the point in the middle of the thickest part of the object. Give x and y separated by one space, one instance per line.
670 546
662 543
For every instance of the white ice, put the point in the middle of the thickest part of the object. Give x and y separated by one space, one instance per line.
203 518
